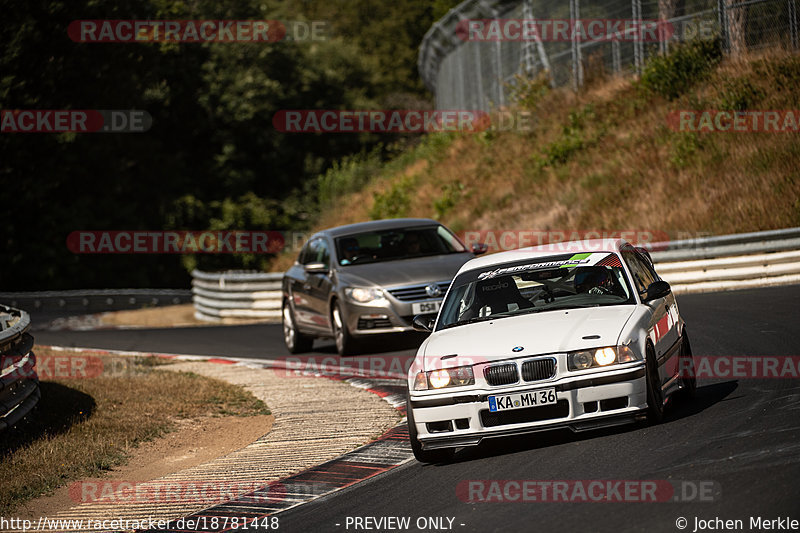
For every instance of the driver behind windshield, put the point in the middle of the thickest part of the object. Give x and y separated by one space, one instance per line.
348 250
412 244
596 280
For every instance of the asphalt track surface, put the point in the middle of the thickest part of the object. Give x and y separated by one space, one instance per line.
740 435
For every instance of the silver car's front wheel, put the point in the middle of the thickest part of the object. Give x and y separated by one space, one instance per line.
295 341
345 344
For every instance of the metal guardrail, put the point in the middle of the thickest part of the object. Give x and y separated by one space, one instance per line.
19 384
697 265
235 295
727 245
95 301
726 262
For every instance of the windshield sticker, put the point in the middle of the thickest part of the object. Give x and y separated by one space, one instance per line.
497 287
585 259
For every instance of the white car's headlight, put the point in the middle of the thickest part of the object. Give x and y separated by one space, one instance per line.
363 296
446 377
600 357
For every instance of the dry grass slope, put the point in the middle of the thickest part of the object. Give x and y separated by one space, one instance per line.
606 159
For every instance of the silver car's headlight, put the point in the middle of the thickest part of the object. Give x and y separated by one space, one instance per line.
600 357
446 377
362 295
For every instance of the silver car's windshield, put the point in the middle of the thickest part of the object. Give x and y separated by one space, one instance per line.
394 244
518 291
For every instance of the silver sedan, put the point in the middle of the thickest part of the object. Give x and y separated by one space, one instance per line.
366 279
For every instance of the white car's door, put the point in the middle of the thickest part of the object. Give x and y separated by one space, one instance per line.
662 326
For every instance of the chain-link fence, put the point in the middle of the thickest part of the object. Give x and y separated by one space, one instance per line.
471 56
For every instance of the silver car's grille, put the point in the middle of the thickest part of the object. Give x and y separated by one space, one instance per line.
374 323
501 374
418 292
538 369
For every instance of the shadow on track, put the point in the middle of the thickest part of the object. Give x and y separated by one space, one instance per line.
376 345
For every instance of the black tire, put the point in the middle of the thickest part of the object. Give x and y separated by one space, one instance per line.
442 455
345 343
686 367
295 341
655 396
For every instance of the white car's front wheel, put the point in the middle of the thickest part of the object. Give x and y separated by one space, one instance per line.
688 376
655 396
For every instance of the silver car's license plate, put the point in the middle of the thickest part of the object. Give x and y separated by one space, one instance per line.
521 400
425 308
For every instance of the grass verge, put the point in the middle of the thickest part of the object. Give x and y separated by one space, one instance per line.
83 427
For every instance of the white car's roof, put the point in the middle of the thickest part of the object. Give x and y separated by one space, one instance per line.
545 250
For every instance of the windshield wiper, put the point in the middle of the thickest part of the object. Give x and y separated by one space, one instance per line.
470 321
481 319
563 307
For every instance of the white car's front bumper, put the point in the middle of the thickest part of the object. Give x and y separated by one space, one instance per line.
588 401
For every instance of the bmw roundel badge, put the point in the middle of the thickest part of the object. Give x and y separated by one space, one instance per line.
517 349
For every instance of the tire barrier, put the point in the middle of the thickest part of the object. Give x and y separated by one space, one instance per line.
19 384
236 295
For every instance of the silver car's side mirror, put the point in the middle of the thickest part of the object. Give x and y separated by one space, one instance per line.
479 248
316 268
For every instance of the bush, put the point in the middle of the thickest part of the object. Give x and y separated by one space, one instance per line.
739 95
395 202
571 140
247 212
683 147
348 175
672 75
451 194
526 92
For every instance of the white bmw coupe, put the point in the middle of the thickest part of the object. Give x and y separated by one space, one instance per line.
581 335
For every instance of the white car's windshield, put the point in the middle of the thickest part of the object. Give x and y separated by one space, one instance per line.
529 287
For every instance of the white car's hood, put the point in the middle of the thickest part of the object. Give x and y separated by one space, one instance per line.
536 333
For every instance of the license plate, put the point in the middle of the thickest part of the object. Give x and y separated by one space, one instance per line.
522 400
425 308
